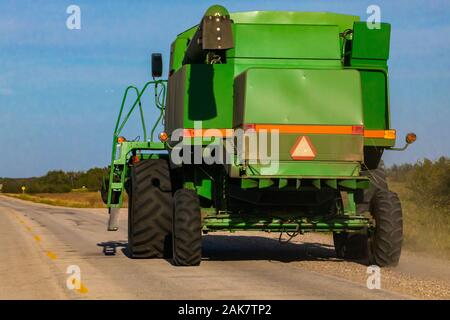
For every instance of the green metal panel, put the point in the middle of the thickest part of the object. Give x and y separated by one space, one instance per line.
243 64
348 183
369 64
249 183
371 44
209 96
204 188
332 183
343 21
177 53
301 169
316 183
282 183
265 183
285 41
178 48
379 142
300 96
375 101
369 54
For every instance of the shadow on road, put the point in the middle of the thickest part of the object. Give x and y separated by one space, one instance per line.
241 248
226 248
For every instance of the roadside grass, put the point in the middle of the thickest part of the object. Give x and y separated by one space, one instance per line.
74 199
426 228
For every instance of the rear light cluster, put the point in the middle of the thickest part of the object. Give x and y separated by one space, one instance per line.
380 134
358 130
135 159
389 134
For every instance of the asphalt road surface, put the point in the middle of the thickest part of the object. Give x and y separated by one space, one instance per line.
40 244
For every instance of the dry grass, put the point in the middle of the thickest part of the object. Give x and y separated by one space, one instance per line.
70 199
426 229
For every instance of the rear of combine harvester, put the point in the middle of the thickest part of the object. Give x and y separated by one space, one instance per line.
315 82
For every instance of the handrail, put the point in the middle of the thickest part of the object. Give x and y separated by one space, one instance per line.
122 105
120 123
138 100
159 102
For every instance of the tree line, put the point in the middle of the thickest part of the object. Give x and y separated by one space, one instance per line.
56 181
428 180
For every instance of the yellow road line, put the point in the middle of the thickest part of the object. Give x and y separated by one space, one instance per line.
81 287
50 254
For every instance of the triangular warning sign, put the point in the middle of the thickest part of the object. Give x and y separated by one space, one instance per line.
303 149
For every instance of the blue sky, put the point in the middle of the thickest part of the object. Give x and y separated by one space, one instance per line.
60 90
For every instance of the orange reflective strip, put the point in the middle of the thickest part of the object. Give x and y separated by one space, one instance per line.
307 129
380 134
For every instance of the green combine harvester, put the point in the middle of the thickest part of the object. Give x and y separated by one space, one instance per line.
273 121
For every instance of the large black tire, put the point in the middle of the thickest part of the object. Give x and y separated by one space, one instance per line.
382 245
150 210
385 243
187 237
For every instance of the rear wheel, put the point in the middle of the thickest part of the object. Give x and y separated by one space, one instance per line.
150 210
187 237
382 244
386 240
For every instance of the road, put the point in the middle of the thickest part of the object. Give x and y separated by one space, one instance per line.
40 242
